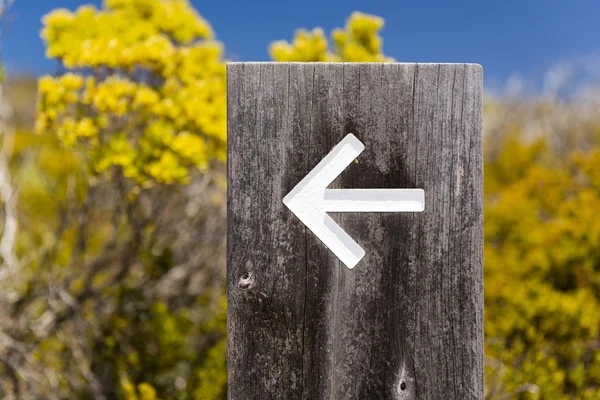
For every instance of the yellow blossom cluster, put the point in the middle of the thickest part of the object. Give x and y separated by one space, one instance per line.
307 46
145 91
359 41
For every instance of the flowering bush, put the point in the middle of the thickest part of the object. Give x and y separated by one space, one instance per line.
146 92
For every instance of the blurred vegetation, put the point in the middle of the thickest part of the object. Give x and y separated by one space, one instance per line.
118 288
542 249
113 286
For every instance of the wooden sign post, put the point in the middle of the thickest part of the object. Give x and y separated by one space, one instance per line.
370 285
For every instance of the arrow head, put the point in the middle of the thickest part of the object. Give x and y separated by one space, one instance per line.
329 168
306 199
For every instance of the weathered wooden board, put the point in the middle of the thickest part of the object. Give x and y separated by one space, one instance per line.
407 321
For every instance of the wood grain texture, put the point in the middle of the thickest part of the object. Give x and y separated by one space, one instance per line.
407 321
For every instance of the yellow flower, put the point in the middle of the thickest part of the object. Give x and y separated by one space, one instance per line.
46 84
359 41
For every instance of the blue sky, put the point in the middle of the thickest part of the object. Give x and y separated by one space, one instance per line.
508 37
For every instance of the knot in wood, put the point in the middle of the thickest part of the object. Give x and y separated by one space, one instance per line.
246 281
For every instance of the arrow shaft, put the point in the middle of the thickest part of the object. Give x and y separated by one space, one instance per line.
373 200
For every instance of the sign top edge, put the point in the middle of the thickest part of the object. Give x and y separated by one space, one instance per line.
352 63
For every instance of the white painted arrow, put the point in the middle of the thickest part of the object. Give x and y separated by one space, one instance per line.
310 200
